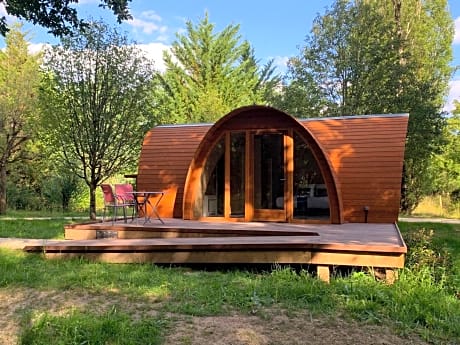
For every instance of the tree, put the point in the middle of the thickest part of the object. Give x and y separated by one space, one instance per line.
57 15
19 80
95 103
445 167
373 56
208 74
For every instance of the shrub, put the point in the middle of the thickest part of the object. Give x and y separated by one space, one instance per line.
424 254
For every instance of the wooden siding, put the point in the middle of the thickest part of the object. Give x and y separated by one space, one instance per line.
366 154
167 152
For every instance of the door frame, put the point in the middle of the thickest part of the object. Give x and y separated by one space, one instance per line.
255 118
250 212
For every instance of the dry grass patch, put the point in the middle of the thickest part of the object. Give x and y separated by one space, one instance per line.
280 329
269 326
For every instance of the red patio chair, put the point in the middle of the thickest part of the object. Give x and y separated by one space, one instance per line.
111 200
124 192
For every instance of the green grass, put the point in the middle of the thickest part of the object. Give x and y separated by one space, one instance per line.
32 228
76 327
34 224
419 301
445 236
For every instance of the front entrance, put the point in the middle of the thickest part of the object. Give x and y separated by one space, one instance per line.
269 177
262 175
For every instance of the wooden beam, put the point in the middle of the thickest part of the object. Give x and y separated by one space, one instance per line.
367 259
248 179
227 206
289 172
262 256
323 273
391 275
80 234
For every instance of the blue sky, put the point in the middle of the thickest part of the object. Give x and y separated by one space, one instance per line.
276 29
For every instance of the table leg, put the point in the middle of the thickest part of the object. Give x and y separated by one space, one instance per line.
155 208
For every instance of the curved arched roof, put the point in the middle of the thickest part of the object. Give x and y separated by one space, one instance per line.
257 118
363 156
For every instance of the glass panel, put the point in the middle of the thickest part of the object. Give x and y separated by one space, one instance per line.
269 171
237 173
213 180
310 193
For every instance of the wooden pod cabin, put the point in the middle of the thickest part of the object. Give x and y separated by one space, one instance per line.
260 164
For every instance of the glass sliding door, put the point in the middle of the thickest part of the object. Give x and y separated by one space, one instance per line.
311 200
269 176
213 181
237 174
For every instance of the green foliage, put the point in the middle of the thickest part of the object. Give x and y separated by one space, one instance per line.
19 80
59 16
423 254
445 166
41 184
23 197
113 327
209 74
373 57
95 100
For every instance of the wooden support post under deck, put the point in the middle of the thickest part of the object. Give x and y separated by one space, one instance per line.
323 273
390 275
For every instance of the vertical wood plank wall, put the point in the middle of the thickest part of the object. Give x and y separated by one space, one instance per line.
366 155
166 154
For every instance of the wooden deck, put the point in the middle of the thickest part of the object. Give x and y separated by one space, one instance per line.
179 241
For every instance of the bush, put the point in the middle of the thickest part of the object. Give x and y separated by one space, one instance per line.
424 254
23 198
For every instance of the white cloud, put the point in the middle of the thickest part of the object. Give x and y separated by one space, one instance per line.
146 27
154 51
454 94
5 14
35 48
281 62
2 9
151 15
457 31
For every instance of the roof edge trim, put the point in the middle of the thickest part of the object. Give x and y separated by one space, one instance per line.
186 125
325 118
344 117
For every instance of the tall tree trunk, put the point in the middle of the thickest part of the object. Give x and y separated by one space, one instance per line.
2 189
92 201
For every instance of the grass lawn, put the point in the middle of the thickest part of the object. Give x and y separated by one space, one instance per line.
80 302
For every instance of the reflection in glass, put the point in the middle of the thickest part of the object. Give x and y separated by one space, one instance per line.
237 173
310 193
213 180
269 171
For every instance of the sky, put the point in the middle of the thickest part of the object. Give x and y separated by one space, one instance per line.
276 29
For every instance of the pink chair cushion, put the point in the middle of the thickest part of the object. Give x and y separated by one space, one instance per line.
124 191
107 191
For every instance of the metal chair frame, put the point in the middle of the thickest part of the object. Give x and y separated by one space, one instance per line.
112 200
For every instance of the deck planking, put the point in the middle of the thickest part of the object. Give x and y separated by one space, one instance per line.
185 241
350 236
